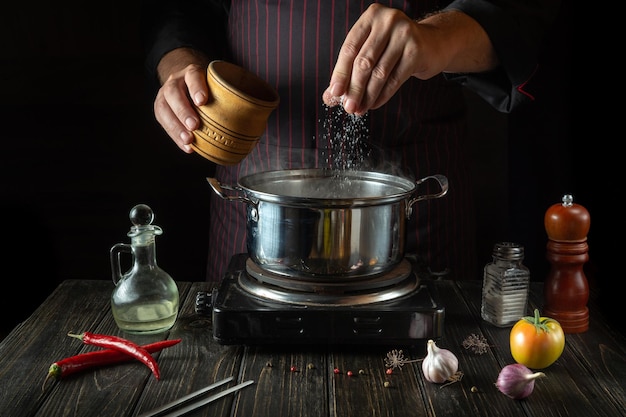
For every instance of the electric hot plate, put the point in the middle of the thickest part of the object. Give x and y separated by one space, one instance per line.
251 306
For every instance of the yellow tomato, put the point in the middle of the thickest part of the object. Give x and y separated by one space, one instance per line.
537 342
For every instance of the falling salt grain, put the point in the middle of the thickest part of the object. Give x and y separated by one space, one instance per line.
345 134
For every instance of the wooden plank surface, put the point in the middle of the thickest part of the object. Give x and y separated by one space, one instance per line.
588 380
109 391
580 382
196 362
36 343
479 371
281 392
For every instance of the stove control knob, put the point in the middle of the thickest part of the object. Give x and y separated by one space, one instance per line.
203 303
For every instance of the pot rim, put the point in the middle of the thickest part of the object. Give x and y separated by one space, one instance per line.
259 187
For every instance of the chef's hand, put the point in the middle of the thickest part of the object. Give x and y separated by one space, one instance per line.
182 73
385 47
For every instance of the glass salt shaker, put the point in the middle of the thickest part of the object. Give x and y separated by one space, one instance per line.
505 285
145 299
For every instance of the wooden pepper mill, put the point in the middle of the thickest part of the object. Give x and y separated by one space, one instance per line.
566 290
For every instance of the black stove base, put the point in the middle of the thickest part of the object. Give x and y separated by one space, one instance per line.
242 318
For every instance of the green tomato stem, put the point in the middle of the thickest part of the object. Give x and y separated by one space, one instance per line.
540 325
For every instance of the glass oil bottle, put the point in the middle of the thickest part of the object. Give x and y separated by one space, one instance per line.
145 299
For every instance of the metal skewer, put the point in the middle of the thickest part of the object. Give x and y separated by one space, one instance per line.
187 398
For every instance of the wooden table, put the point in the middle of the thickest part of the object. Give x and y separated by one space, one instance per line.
589 379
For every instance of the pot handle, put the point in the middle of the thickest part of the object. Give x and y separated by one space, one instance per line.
442 180
219 190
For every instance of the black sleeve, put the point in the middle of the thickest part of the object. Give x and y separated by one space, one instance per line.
516 29
167 25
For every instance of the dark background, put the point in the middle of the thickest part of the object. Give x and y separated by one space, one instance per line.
81 147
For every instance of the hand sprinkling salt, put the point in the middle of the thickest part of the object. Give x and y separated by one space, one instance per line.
333 101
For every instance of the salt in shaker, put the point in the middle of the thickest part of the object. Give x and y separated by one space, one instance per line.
505 285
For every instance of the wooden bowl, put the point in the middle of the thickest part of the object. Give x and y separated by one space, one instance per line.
235 116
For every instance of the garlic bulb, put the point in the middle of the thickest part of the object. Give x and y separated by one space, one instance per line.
517 381
439 365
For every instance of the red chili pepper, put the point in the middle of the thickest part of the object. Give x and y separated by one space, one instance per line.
82 361
122 345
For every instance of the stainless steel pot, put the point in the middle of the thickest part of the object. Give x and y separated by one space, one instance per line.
325 225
